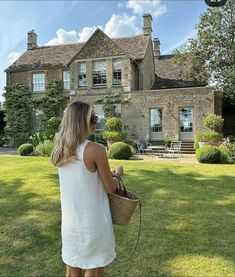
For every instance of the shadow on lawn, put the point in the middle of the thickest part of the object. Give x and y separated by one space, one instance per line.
29 232
182 214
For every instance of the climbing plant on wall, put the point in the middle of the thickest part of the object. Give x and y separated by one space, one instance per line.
109 104
18 110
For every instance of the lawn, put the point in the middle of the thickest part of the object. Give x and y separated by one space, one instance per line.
188 219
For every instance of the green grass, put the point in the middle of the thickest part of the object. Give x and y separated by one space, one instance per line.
188 219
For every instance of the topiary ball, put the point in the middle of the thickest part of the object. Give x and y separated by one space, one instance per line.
208 154
25 149
119 151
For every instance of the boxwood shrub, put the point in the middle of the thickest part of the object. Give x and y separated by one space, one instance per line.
208 154
25 149
119 151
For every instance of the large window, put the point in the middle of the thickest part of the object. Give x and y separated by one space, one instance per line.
99 111
38 82
82 74
186 119
37 119
156 120
117 71
99 73
66 79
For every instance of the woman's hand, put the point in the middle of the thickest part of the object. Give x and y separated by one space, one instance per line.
119 171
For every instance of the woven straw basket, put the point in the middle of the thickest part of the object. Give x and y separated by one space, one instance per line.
122 204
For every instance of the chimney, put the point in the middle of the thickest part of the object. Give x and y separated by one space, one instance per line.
156 47
32 40
147 29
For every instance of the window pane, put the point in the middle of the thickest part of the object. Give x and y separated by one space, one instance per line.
117 73
99 73
100 113
38 82
156 120
186 119
37 119
66 79
82 74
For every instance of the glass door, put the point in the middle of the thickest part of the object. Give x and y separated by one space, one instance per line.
186 124
156 124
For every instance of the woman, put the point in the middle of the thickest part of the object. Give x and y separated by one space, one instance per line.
85 179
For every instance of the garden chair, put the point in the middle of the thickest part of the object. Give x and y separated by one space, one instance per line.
143 148
175 147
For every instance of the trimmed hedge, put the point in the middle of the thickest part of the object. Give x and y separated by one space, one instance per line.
25 149
208 154
225 155
119 151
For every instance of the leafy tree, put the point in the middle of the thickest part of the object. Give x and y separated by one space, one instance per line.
212 52
18 111
53 102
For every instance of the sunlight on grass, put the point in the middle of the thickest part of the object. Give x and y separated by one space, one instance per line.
199 265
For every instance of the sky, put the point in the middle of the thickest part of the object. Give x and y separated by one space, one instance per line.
59 22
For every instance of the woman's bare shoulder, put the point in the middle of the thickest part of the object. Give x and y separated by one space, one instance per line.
96 147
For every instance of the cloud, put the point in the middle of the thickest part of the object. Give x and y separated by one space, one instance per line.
121 25
155 7
13 56
63 37
118 25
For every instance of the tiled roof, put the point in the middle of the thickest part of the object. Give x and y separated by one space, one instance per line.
170 74
61 55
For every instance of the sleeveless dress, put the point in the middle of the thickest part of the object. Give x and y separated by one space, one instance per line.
86 228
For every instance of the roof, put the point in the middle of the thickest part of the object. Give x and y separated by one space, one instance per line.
170 74
61 55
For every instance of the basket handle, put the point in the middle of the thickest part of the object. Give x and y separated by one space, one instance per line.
121 189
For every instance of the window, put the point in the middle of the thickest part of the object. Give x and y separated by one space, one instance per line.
82 74
99 111
37 119
38 82
66 79
156 120
186 119
117 72
99 73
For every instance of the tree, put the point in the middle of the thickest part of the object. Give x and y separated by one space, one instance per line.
212 52
18 111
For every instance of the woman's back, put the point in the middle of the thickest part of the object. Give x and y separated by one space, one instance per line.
87 233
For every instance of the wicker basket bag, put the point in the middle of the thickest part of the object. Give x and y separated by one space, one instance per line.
122 204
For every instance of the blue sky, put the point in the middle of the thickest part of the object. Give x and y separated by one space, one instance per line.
57 22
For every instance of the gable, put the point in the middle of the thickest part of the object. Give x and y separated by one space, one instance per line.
98 46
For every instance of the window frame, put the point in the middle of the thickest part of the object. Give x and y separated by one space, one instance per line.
117 71
158 128
66 81
99 74
82 74
34 84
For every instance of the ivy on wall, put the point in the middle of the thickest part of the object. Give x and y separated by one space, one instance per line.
18 113
53 102
109 104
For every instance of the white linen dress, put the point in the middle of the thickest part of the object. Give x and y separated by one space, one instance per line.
86 228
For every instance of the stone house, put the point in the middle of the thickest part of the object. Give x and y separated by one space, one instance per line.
160 101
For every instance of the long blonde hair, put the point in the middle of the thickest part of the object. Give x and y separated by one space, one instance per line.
74 128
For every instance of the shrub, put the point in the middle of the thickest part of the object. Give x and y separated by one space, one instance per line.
45 148
97 137
112 135
207 136
213 122
208 154
25 149
113 124
133 145
37 137
119 151
225 155
168 140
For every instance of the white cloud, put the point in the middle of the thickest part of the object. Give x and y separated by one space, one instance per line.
155 7
13 56
121 25
63 37
117 26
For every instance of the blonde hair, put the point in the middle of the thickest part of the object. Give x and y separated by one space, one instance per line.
74 128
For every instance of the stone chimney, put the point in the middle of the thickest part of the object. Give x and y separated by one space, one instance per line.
32 40
156 47
147 29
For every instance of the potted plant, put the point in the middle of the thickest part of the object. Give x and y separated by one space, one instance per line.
113 130
207 138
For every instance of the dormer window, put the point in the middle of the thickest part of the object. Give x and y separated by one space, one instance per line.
82 74
99 73
66 79
117 71
38 82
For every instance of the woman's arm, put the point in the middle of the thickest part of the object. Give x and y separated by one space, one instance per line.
110 182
